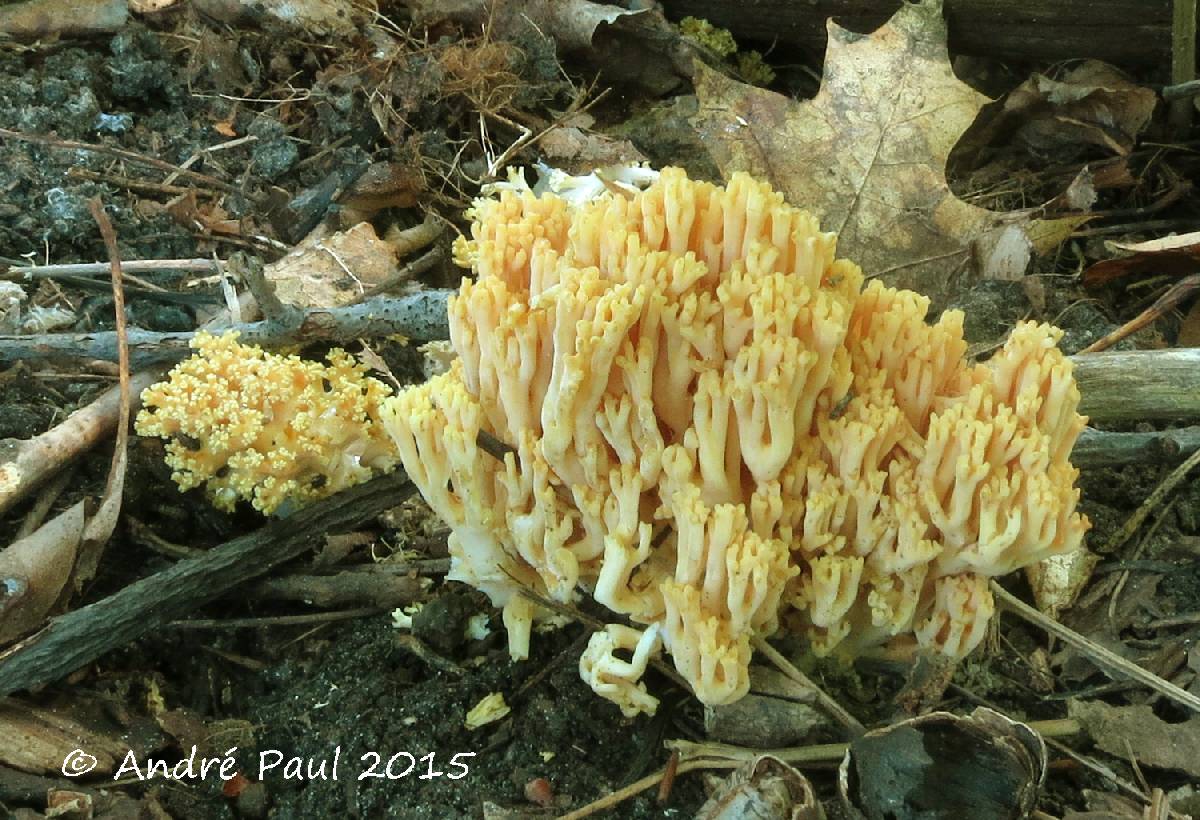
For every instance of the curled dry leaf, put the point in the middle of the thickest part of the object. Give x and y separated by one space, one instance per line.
318 18
765 788
1057 581
984 766
1173 255
34 572
868 154
1092 104
637 46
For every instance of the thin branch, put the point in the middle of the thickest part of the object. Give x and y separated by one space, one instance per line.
29 272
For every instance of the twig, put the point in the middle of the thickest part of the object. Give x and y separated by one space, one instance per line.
96 268
1102 656
828 752
1178 620
420 316
413 269
101 525
834 708
1123 575
1175 294
277 620
639 786
1181 91
143 186
1101 448
1183 58
426 655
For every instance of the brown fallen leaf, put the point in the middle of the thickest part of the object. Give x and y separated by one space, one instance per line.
319 18
868 154
1092 104
1125 731
1189 328
1176 255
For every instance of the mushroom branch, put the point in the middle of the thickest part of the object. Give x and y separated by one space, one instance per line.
719 433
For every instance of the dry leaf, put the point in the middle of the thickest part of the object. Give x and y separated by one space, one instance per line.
34 572
580 152
150 6
637 46
1092 104
1080 194
334 270
868 153
1176 255
984 765
572 23
764 788
315 17
1123 731
1057 581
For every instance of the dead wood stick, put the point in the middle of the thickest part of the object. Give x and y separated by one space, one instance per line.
1100 448
379 590
1139 385
1120 31
420 316
27 272
77 638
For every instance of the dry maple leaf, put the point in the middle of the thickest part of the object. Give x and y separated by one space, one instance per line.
868 156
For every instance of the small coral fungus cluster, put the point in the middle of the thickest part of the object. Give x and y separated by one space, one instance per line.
717 432
267 428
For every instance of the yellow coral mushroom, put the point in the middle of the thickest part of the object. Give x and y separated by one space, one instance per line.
717 432
267 428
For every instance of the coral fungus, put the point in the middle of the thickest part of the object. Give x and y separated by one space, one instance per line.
717 432
267 428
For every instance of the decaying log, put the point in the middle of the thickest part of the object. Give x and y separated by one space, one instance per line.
77 638
1119 31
